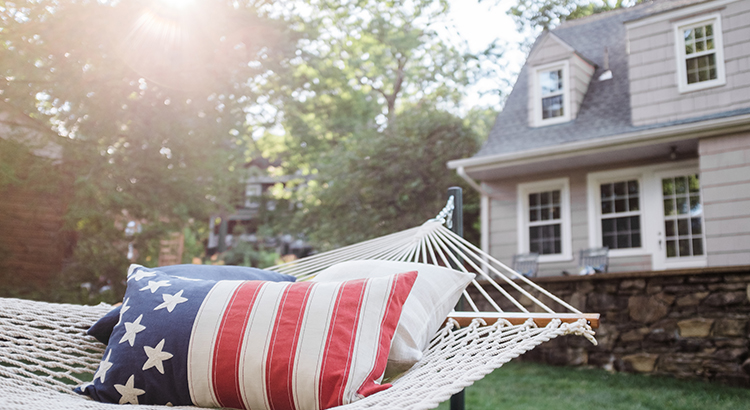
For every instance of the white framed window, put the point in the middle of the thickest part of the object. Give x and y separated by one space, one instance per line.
682 238
551 93
654 211
700 53
616 211
544 219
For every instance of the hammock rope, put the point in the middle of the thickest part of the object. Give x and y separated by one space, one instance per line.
44 351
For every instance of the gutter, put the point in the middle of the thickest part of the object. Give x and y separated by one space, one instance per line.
484 210
628 140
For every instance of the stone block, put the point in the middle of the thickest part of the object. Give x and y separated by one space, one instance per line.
635 335
725 298
641 362
746 366
704 279
727 286
681 364
695 327
646 309
730 355
730 327
633 284
680 289
737 278
603 302
666 298
692 299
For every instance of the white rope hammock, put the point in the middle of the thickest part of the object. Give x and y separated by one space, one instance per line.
44 351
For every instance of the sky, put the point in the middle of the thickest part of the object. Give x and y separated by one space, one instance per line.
480 23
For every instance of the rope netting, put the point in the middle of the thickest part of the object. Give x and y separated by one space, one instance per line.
45 352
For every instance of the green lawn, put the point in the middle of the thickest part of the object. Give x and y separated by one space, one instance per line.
530 386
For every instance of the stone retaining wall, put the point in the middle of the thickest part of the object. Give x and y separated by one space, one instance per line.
689 323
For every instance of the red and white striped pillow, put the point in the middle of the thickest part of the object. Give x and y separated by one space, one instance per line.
266 345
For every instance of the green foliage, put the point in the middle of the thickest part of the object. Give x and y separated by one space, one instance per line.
247 254
546 14
367 122
151 102
529 386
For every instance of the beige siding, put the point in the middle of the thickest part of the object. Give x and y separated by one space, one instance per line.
653 71
504 225
550 50
580 77
725 183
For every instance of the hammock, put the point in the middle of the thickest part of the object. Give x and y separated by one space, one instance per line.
44 351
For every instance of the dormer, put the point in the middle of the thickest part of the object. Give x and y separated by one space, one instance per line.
558 80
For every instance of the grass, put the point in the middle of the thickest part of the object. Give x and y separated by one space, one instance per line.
530 386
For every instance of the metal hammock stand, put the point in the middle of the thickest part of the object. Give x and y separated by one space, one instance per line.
45 352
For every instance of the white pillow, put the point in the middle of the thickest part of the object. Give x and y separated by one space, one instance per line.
435 293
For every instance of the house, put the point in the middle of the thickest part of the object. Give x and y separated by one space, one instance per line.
628 129
243 222
33 200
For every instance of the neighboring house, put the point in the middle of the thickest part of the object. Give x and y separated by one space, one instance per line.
33 245
242 224
628 129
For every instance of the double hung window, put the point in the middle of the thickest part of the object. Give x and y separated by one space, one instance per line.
700 56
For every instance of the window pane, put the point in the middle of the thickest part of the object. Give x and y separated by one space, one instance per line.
682 206
550 81
669 207
623 241
534 233
620 189
684 247
544 214
608 226
667 185
633 188
544 198
671 249
696 225
697 246
695 205
607 190
534 247
556 230
556 212
680 185
609 241
547 248
635 223
698 33
682 227
623 224
669 228
533 214
633 204
552 107
608 207
699 45
556 197
533 199
694 183
620 205
635 241
688 34
709 30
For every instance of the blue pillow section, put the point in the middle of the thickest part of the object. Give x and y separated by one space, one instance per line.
149 347
102 329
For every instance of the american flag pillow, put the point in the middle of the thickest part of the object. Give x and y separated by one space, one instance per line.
250 344
102 329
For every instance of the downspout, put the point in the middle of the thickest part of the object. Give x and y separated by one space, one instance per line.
484 210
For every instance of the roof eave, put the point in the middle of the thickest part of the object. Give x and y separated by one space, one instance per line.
628 140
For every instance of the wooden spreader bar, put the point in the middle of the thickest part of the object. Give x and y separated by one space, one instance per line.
517 318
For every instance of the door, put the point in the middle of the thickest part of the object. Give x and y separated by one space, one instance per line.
681 235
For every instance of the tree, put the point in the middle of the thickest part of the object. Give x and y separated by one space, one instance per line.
535 15
366 119
150 102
